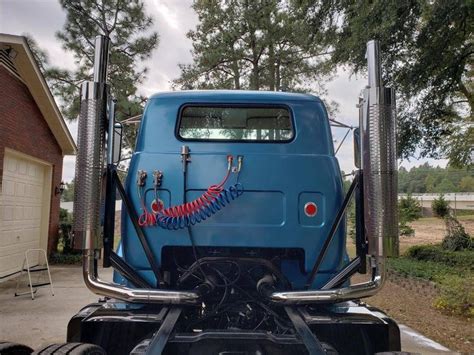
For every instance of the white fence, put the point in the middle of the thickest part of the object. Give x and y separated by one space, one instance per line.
457 200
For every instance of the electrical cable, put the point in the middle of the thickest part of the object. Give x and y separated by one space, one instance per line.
227 282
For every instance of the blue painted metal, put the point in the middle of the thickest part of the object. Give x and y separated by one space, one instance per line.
278 179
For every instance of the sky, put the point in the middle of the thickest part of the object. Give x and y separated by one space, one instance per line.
172 20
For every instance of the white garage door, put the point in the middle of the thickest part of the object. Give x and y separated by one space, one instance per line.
22 206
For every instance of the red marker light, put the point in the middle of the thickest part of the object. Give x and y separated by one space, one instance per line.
310 209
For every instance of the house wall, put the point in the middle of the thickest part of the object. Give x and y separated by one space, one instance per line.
22 128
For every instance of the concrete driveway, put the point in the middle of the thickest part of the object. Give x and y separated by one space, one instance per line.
44 320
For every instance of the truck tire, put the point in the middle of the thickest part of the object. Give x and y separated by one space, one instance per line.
71 349
7 348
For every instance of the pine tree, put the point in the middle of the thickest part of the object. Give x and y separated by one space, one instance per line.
256 45
131 42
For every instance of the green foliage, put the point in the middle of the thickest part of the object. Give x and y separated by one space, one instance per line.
257 45
467 183
64 216
409 210
405 230
428 179
351 222
427 54
456 295
461 259
64 232
457 238
131 42
68 259
427 270
440 207
464 214
68 193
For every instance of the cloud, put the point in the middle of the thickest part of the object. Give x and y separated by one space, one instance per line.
172 20
345 90
69 164
41 20
167 14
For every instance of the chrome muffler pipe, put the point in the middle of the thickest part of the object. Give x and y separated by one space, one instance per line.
379 168
132 295
90 163
365 289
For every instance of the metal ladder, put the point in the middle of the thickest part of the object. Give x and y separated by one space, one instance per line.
29 269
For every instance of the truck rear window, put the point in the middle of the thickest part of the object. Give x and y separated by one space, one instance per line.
270 124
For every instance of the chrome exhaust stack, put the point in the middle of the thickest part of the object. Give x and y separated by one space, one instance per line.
379 168
88 197
90 155
379 161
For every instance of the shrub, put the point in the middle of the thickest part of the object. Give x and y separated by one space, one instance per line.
64 215
409 210
65 232
457 237
72 259
65 237
407 267
406 230
461 259
456 295
440 207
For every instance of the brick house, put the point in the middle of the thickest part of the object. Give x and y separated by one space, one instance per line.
33 141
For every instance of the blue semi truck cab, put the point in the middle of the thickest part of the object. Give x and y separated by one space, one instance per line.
233 237
281 192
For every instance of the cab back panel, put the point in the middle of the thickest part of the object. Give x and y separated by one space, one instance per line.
278 180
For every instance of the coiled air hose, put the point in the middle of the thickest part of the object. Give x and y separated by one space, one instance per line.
188 214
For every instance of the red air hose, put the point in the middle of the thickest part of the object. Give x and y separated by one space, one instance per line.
191 207
191 212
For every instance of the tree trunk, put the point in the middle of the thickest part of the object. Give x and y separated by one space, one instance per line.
277 75
271 63
254 80
235 69
255 84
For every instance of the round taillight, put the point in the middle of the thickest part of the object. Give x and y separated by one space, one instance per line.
310 209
